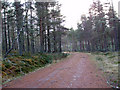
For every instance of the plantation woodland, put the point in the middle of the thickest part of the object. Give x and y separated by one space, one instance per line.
97 31
33 27
34 35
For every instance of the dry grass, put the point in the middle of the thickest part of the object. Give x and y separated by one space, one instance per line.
108 63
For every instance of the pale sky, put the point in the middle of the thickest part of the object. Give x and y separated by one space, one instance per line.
73 9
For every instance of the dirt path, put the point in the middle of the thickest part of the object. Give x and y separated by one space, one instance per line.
77 71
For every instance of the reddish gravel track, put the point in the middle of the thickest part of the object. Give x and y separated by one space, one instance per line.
76 71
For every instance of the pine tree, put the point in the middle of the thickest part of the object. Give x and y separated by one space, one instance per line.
19 24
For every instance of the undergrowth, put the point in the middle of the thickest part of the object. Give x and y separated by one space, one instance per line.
15 65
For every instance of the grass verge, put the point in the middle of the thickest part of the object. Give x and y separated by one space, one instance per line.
108 62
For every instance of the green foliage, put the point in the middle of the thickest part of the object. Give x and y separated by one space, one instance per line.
117 62
107 53
99 58
18 65
59 56
47 58
96 53
111 56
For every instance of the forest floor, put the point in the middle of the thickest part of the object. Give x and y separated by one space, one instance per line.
75 71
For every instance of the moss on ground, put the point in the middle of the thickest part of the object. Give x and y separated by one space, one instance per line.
15 65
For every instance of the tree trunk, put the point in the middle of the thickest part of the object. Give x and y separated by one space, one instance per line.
9 41
22 40
89 49
19 40
80 45
48 38
116 37
1 32
54 38
45 42
5 33
112 42
19 26
60 48
105 43
83 44
41 37
32 35
27 32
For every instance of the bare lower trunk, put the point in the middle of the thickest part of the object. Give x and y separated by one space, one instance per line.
54 37
9 42
80 45
5 33
48 39
41 37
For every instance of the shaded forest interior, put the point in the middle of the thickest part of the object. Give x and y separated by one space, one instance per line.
33 27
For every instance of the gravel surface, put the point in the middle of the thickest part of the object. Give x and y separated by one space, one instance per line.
76 71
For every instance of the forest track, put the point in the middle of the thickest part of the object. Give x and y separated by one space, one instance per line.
76 71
